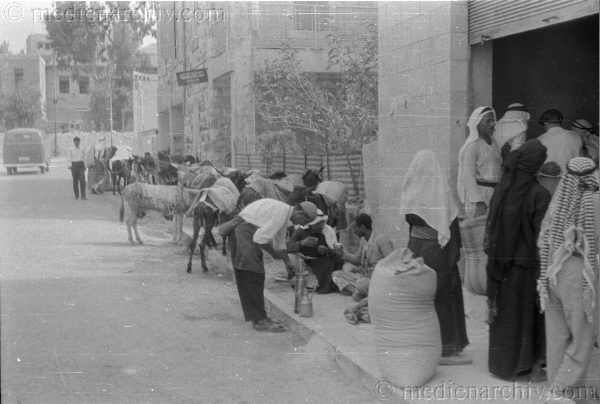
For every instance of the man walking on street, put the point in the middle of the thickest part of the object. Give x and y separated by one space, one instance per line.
77 166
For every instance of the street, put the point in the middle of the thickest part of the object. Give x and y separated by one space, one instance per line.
88 317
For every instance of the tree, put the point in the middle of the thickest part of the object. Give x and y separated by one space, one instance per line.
100 39
22 108
99 109
272 142
4 47
341 109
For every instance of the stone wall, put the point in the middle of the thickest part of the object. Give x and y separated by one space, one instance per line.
423 72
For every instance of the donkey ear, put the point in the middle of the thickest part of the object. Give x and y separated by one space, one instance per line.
321 170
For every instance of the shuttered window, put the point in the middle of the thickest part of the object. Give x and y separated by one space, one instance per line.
498 18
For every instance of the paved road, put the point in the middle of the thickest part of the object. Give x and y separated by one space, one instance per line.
86 317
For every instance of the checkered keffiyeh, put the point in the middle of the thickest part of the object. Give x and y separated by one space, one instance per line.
568 228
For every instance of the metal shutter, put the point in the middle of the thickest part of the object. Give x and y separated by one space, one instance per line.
498 18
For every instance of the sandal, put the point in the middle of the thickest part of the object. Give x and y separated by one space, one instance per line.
455 360
268 326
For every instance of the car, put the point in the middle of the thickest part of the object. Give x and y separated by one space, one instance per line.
25 148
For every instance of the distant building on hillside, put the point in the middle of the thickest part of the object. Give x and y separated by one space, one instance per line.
23 71
72 96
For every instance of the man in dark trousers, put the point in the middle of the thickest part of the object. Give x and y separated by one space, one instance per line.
262 225
76 159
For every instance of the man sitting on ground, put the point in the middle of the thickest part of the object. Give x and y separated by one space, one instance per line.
317 240
371 250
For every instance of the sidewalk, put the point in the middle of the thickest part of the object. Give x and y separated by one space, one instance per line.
354 350
353 347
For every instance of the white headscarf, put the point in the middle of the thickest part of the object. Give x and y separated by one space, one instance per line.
328 232
586 132
473 136
511 124
426 193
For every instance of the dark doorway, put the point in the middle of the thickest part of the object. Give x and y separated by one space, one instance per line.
554 67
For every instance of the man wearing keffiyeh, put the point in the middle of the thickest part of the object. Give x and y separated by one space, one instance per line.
479 162
511 130
588 137
568 283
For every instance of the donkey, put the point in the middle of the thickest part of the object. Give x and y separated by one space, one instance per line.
207 214
120 170
310 180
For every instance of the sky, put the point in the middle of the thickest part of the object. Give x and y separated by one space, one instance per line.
17 22
19 19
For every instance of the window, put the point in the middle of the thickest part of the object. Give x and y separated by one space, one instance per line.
48 45
310 15
40 45
63 84
84 85
18 76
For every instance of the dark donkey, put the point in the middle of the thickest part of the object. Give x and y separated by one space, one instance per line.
121 169
206 215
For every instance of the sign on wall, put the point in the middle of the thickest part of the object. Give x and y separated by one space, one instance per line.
192 77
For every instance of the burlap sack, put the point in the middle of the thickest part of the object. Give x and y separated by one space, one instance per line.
405 323
472 233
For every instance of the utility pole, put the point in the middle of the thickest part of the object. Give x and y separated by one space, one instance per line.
54 102
110 95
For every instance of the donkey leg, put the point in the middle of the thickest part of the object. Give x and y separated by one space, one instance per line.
128 222
203 243
208 219
177 227
197 225
131 219
137 235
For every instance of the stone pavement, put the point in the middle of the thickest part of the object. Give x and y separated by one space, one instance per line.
354 350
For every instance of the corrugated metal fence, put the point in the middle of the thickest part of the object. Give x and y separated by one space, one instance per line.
336 170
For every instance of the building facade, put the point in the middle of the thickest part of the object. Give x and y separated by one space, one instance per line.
217 119
145 113
26 71
67 99
438 61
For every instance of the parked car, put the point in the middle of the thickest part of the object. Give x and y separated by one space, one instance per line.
24 148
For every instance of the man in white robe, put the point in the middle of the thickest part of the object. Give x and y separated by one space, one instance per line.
479 163
563 145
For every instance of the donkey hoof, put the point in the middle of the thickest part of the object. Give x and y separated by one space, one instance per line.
140 242
205 270
132 242
189 270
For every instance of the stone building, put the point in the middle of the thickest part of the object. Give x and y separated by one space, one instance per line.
23 70
439 60
216 119
145 116
72 96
